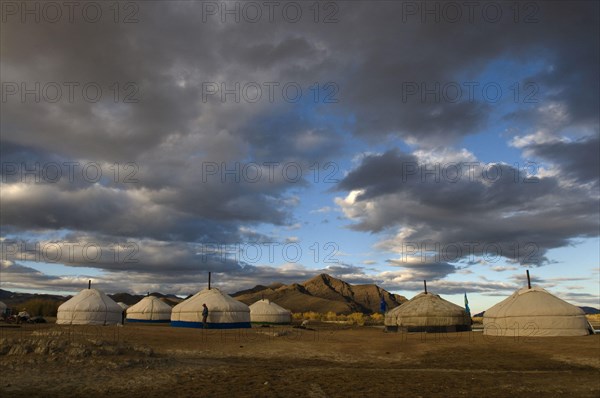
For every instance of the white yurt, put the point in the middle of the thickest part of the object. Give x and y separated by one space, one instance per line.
267 312
150 309
89 307
428 312
123 305
224 312
2 308
531 312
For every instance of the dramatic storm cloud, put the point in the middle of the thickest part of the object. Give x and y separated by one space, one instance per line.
432 206
474 137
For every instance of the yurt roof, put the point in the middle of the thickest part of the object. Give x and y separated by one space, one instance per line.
265 306
150 304
123 305
90 300
215 300
425 304
534 301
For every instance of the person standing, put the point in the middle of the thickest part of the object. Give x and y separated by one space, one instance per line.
204 316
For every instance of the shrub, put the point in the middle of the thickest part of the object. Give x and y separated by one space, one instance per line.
356 318
330 316
312 316
375 319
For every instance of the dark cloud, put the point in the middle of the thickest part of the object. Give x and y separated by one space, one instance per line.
128 255
369 53
451 287
172 131
577 160
465 215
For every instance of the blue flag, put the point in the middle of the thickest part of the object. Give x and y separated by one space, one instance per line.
467 305
383 306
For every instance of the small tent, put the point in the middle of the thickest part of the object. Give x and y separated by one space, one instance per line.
427 312
532 312
150 309
89 307
224 312
267 312
2 308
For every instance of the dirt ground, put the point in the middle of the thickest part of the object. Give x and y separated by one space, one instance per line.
330 361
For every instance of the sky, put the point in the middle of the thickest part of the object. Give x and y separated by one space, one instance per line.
145 144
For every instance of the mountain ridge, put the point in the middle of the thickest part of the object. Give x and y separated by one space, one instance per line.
323 293
288 296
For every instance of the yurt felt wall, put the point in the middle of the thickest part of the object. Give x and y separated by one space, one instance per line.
535 312
149 310
267 312
428 312
89 307
224 311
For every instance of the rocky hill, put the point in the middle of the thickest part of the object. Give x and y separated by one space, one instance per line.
323 293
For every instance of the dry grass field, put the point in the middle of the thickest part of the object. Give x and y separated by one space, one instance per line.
329 361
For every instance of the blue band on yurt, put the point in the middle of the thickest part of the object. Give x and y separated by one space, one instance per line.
198 325
148 320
